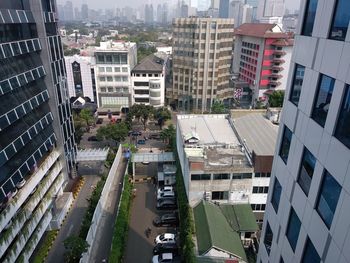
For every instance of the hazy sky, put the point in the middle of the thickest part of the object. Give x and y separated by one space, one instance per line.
103 4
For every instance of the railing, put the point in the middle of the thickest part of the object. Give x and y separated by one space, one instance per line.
30 185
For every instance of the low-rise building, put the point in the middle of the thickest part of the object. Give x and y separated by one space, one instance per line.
226 160
148 82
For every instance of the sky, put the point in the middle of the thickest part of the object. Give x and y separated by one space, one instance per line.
103 4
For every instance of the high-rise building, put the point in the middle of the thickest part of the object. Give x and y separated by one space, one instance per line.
224 8
203 5
202 52
270 8
159 13
240 12
36 128
114 62
307 216
68 11
84 11
149 15
262 59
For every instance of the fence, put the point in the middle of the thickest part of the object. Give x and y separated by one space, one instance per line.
101 205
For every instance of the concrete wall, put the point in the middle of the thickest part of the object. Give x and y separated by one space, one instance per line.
102 203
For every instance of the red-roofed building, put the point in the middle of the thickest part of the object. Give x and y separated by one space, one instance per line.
261 59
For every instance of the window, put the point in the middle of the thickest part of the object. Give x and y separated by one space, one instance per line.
323 99
197 177
124 69
293 229
306 171
309 17
109 79
116 69
328 198
257 175
342 132
258 207
221 176
276 194
268 238
260 189
101 69
340 21
219 195
102 78
285 144
298 78
108 69
310 253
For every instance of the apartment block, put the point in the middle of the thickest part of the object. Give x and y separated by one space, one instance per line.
114 62
202 52
307 217
37 148
261 60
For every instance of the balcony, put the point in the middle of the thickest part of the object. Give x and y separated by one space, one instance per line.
35 218
279 68
278 60
274 82
276 76
30 185
279 52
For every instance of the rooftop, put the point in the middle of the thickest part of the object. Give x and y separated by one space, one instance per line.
213 231
115 46
240 217
263 30
150 63
258 132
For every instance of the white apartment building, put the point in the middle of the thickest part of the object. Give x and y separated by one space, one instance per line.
307 216
226 164
114 62
81 76
148 82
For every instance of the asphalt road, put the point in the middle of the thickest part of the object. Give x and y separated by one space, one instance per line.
71 225
143 211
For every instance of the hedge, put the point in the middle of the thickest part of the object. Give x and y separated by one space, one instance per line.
121 225
45 246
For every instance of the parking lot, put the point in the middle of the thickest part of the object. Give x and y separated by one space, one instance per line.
139 246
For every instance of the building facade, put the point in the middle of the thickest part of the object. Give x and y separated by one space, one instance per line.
262 59
36 128
202 52
270 8
148 82
307 217
114 61
81 76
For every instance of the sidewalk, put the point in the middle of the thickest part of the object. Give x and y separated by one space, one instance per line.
71 225
104 233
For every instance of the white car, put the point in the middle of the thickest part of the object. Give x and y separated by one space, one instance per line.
165 189
165 257
165 238
21 183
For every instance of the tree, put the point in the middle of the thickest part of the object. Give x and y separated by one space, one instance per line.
117 132
86 115
162 115
276 99
143 52
75 247
218 108
79 126
168 134
142 112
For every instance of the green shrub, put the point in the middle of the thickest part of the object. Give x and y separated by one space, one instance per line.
45 247
121 224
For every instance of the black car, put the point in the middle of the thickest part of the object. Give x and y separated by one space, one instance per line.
136 133
166 220
92 139
99 121
166 248
166 204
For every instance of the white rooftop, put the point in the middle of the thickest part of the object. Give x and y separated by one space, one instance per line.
115 46
212 129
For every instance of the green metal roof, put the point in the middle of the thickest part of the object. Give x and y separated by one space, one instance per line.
240 217
213 230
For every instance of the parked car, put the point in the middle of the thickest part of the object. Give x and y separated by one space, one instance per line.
92 139
166 220
21 183
164 204
141 142
136 133
154 136
166 248
99 121
165 189
166 194
165 257
165 238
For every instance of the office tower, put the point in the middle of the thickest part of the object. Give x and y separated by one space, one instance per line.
84 11
114 62
77 14
36 129
81 76
149 14
270 8
159 13
254 5
203 5
224 8
241 13
68 11
184 10
307 217
165 14
202 51
262 59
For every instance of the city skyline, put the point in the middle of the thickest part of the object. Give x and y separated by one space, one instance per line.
103 4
